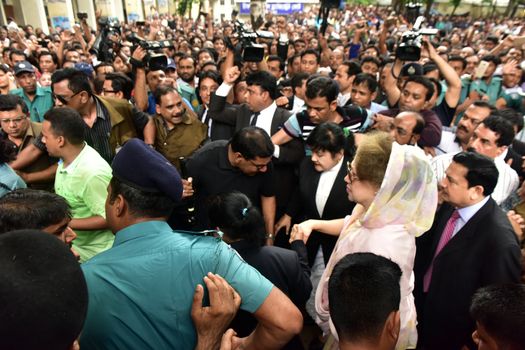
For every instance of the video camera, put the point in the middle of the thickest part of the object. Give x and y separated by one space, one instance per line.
252 52
154 59
104 47
410 47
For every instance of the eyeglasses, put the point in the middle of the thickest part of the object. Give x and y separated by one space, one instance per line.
258 166
13 120
64 100
352 176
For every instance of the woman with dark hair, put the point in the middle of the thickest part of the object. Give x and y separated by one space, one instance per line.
242 226
9 180
396 194
321 194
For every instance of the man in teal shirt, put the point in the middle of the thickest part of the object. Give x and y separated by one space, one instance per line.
38 99
141 290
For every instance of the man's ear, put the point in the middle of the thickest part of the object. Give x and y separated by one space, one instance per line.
501 149
120 205
333 105
392 327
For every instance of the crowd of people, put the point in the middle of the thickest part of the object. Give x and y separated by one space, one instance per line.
346 183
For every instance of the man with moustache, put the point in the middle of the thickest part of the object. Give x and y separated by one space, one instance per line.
38 99
452 142
178 135
491 138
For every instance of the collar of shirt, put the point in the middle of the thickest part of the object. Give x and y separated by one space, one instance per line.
335 168
343 99
468 212
268 112
502 156
139 230
72 166
101 110
40 91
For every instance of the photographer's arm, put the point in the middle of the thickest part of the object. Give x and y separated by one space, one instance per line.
209 23
141 93
451 77
393 93
87 30
325 50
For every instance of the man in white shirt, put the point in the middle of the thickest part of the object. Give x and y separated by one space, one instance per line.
491 138
453 141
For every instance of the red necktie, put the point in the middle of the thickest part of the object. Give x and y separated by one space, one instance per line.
445 237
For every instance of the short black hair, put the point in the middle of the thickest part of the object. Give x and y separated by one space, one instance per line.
77 80
265 80
53 55
7 151
353 68
493 39
363 291
43 291
371 59
422 81
66 122
9 102
331 137
459 59
31 209
237 217
142 204
298 79
481 170
215 76
311 52
512 116
321 86
437 85
17 52
121 83
277 58
500 309
163 90
368 80
491 58
502 127
252 142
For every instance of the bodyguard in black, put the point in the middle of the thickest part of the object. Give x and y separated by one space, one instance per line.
243 164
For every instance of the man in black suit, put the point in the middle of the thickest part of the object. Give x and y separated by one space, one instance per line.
470 245
261 111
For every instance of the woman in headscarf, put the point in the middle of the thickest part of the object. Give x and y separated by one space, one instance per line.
396 194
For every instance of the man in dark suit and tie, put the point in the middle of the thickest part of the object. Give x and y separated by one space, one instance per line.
261 111
470 245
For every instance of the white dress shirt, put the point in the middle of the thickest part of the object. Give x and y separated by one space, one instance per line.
465 214
326 182
508 180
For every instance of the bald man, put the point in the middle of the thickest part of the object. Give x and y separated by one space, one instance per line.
406 128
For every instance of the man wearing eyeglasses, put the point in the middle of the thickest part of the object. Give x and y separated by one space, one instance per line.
21 132
38 99
456 141
108 123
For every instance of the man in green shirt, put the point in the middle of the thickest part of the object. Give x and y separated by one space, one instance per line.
38 99
82 178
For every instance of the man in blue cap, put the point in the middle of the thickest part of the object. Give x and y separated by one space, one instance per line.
38 99
141 290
